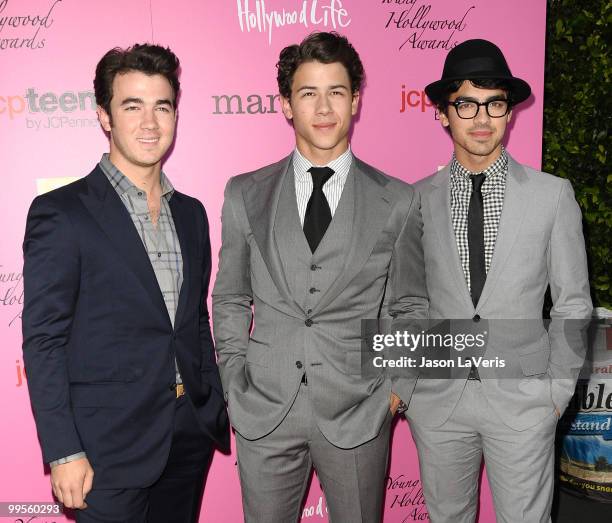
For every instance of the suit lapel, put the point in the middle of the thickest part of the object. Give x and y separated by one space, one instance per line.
261 199
372 207
516 200
108 211
184 231
440 216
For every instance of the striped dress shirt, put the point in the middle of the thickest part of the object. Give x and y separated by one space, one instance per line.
332 188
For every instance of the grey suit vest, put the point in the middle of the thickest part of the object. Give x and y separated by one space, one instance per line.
309 275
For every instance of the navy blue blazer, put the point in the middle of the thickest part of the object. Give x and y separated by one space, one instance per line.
98 344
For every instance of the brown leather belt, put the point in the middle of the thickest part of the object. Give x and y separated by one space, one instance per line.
180 390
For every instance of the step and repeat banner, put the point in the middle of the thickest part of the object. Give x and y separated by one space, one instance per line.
229 122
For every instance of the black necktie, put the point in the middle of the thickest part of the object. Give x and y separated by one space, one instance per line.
318 214
478 272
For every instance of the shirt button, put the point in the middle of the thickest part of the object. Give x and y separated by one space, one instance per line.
308 311
313 267
159 254
476 318
312 290
308 322
298 364
139 194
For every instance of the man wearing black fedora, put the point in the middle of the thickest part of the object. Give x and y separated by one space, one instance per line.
496 235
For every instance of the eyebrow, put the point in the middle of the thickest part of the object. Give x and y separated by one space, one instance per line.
140 101
498 97
313 88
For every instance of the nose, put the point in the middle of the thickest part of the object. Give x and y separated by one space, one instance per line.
149 119
323 105
482 116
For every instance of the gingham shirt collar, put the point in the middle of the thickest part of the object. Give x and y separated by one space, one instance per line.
122 184
493 174
493 190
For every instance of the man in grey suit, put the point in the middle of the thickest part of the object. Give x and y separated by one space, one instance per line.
311 245
496 234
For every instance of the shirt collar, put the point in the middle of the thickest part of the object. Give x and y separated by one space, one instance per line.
493 173
340 165
122 184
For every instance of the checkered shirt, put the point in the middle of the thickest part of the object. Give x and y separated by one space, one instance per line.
493 190
161 241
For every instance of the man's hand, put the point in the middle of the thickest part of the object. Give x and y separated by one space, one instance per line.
71 482
394 402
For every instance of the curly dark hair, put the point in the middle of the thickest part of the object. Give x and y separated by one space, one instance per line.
146 58
321 47
482 83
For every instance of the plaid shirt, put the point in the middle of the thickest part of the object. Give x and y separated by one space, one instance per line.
493 190
161 241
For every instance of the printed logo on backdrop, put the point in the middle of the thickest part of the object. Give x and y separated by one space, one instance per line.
11 304
415 99
41 111
317 510
21 28
251 104
425 25
405 497
11 293
267 17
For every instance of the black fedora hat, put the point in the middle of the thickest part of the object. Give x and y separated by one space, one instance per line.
476 60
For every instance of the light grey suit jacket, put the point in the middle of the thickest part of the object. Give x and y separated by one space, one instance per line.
382 276
539 243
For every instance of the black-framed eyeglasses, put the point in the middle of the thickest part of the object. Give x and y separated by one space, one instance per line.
468 109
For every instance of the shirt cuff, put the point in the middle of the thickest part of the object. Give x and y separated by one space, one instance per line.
67 459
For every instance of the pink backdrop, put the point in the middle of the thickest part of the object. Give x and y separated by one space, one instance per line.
48 133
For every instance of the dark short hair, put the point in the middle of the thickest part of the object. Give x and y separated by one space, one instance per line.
145 58
323 47
482 83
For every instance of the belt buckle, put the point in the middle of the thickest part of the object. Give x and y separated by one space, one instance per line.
180 390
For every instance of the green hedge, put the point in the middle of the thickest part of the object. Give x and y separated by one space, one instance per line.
577 119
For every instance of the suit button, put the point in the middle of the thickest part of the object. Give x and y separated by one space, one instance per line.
172 387
298 364
308 322
476 318
314 267
312 290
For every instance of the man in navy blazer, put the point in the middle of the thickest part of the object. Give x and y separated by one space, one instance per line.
117 345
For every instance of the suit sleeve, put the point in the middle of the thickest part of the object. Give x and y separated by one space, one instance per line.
406 298
209 361
51 285
572 307
232 294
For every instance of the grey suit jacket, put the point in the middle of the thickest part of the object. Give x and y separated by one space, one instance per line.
539 243
382 277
